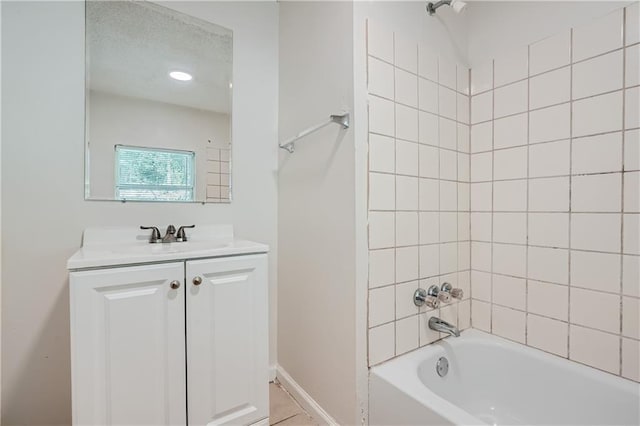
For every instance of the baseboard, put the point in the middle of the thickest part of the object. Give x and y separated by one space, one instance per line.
272 372
304 399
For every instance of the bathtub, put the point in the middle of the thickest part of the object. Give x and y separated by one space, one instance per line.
498 382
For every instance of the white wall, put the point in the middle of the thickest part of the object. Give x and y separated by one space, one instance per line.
316 276
43 209
121 120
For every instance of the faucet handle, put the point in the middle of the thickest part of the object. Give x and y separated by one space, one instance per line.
422 297
182 236
457 293
155 233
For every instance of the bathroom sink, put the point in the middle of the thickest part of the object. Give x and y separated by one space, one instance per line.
165 248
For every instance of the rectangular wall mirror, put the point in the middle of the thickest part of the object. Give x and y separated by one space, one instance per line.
158 105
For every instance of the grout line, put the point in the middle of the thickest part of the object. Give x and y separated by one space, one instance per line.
624 69
493 107
395 215
526 283
569 254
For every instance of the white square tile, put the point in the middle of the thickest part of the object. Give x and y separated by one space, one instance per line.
481 285
632 150
382 153
511 99
463 79
510 292
631 234
381 230
481 196
510 163
426 334
510 260
481 107
406 53
464 314
549 264
596 193
549 229
510 131
447 73
632 192
381 305
448 227
632 25
591 231
429 227
511 66
428 95
550 300
448 196
382 267
464 141
481 256
429 159
407 334
598 114
379 41
481 315
406 123
595 271
406 158
462 107
588 75
406 193
427 61
428 128
429 190
464 226
548 335
448 164
406 264
381 343
448 258
597 154
429 260
481 137
510 195
382 193
550 88
463 167
481 226
448 137
594 348
630 356
509 323
598 36
406 88
550 53
481 167
464 256
380 78
464 197
583 303
449 313
550 124
406 228
404 300
447 102
632 66
631 275
381 116
510 228
482 78
549 194
632 108
549 159
630 317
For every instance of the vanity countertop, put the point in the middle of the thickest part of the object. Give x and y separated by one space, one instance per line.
102 247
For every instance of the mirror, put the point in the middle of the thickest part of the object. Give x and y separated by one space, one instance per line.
158 105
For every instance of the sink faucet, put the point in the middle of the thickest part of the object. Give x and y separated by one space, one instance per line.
442 326
170 235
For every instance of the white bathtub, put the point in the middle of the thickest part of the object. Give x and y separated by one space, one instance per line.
494 381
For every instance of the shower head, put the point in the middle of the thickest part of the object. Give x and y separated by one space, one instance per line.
457 6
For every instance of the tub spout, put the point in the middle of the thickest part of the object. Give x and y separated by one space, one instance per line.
442 326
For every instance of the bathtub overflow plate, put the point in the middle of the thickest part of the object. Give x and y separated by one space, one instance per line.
442 366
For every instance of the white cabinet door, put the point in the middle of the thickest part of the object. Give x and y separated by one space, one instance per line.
227 341
128 346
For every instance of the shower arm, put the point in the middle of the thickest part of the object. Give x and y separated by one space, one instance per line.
431 7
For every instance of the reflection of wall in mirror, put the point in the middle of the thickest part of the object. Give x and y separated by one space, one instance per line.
114 120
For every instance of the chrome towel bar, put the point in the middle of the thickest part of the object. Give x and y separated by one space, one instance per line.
341 119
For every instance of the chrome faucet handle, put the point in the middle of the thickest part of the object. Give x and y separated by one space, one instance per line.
155 233
181 235
422 297
442 296
456 293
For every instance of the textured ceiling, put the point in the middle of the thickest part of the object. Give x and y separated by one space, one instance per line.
132 47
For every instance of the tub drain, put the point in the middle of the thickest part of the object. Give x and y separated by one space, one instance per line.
442 366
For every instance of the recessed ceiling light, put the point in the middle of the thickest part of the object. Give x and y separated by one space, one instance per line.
179 75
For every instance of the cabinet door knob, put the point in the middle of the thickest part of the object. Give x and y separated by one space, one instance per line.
175 284
197 281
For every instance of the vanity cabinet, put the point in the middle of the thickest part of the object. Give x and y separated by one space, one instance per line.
175 343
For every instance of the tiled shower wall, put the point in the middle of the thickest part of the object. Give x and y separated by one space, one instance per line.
418 189
555 196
